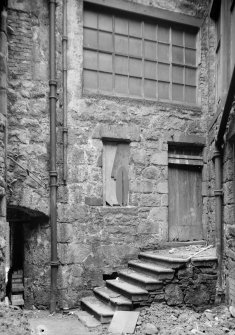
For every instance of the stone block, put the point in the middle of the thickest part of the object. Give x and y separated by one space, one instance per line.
173 295
93 201
139 156
160 158
143 186
162 187
150 200
198 296
151 172
158 214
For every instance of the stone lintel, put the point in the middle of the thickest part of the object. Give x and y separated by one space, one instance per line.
184 139
124 133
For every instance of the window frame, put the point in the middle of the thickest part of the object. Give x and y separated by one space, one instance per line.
151 14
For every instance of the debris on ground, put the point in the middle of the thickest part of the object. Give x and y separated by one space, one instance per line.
13 321
158 319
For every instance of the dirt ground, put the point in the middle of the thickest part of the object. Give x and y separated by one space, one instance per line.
159 319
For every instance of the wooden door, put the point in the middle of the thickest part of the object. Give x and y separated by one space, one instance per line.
185 203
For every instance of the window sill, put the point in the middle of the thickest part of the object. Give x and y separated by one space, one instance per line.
144 101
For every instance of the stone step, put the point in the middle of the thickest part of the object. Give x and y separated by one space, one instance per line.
145 281
156 271
94 306
115 299
165 261
133 292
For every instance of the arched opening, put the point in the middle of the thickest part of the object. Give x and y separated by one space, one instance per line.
26 230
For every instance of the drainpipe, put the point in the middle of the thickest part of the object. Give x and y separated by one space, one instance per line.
218 192
64 69
53 172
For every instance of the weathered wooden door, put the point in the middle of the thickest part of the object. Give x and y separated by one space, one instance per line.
185 203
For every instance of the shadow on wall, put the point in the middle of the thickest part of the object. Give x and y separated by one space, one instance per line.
28 257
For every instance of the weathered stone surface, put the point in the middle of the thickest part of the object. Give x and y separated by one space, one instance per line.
198 296
160 158
173 295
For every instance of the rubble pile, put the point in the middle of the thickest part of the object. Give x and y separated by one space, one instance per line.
13 321
161 319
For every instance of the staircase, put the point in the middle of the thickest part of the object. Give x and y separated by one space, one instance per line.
138 285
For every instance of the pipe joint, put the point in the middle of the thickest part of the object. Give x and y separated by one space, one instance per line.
218 193
55 263
65 130
53 82
53 1
64 38
53 174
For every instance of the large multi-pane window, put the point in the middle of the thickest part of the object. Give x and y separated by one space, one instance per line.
135 57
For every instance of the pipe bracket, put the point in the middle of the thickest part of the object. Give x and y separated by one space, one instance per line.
65 130
218 193
64 38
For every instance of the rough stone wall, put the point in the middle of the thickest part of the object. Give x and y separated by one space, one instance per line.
3 115
92 239
193 285
96 239
28 138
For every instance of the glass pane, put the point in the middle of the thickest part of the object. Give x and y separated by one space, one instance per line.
105 22
90 19
177 74
163 72
105 41
121 84
90 79
177 55
190 57
90 60
190 40
135 28
121 26
150 31
121 65
135 67
163 52
163 90
177 92
90 38
150 89
150 50
121 44
190 94
190 77
150 70
105 62
105 82
177 37
135 86
163 34
135 47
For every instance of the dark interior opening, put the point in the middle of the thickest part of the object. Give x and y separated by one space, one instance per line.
113 275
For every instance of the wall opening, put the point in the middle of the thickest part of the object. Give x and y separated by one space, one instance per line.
24 226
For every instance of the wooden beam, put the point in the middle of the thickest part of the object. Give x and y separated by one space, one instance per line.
152 12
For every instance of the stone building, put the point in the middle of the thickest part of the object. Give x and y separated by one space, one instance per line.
143 94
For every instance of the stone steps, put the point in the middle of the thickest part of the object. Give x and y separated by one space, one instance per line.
145 281
165 261
132 292
101 311
156 271
142 282
113 298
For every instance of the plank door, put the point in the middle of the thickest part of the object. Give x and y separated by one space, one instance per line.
185 203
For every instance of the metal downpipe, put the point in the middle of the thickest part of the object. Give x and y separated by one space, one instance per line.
64 69
53 172
218 192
